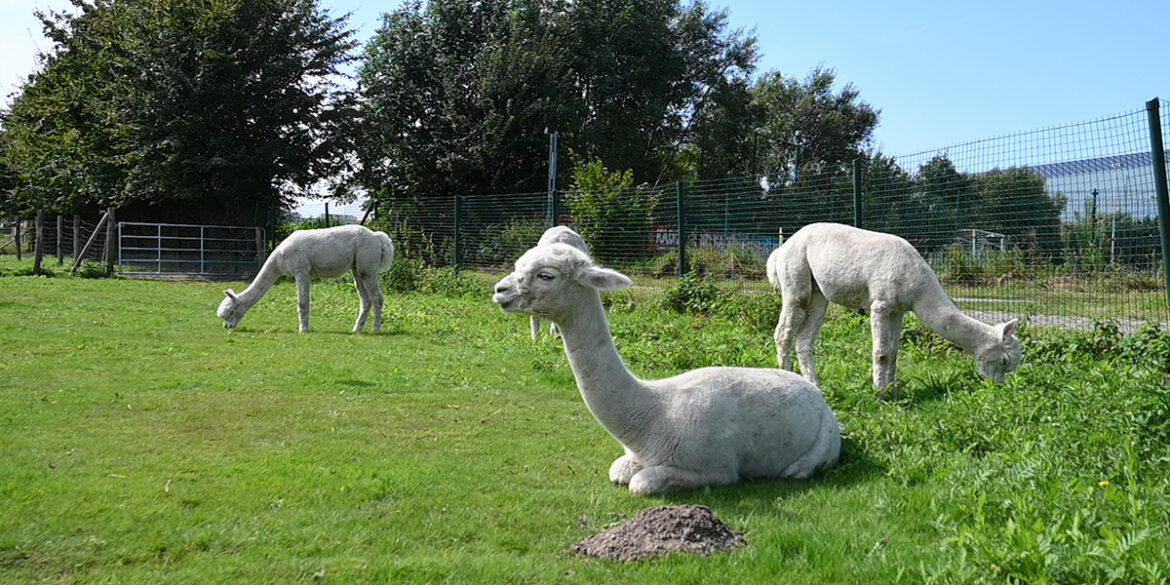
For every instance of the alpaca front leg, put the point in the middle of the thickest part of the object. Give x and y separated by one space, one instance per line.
662 479
624 468
304 301
886 329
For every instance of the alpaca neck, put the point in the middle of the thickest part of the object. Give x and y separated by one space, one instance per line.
261 284
619 400
941 315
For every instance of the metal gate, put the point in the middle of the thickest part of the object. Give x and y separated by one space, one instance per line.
168 249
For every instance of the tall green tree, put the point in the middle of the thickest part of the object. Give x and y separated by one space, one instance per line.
944 204
456 98
457 95
216 110
1016 203
808 124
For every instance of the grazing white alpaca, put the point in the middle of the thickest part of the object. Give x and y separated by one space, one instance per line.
825 262
553 235
325 252
711 426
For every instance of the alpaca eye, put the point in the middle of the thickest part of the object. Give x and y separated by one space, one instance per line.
546 276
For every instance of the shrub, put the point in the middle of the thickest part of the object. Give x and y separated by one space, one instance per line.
693 294
612 215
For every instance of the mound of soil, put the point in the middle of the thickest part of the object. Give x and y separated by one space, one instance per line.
657 532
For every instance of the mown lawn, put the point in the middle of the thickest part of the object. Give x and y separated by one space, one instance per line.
140 442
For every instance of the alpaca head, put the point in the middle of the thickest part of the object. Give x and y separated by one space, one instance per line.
1001 355
551 279
230 310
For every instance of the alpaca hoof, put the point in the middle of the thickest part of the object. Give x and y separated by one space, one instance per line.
624 469
651 482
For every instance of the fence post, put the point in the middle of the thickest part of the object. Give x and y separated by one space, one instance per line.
458 238
38 244
553 203
259 248
97 230
680 196
16 240
76 249
111 240
60 250
1158 150
857 220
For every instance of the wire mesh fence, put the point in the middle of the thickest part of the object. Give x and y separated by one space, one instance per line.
1060 224
62 236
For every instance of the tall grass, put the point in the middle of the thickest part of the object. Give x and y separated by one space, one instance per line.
140 442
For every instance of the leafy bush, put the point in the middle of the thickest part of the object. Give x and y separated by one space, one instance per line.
612 215
730 263
693 294
504 242
1147 347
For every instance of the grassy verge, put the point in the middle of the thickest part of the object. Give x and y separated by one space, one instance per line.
143 443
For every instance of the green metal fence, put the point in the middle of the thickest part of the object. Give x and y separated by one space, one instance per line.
1061 224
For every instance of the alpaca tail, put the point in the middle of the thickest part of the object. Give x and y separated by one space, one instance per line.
773 269
387 251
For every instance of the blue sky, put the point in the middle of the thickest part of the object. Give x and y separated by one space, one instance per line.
942 73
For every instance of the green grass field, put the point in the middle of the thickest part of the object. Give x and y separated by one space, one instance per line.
140 442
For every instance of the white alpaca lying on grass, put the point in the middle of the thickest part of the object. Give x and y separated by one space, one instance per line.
327 253
829 262
711 426
554 235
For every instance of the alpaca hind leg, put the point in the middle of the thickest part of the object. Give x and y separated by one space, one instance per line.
375 299
661 479
825 451
792 316
304 301
806 337
534 323
363 290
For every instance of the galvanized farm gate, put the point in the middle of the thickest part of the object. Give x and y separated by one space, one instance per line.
209 251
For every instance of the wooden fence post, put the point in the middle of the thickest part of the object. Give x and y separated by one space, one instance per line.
96 230
111 241
76 236
60 231
38 244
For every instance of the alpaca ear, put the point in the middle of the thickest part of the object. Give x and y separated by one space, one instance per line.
1009 328
231 294
603 278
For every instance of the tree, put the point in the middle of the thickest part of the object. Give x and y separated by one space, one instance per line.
456 98
612 215
457 95
886 195
211 110
805 124
944 204
1016 203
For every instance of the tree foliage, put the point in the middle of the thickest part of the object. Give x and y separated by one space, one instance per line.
806 124
609 212
458 95
208 108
